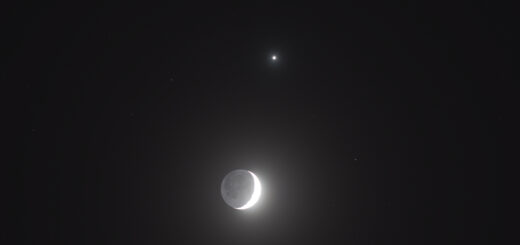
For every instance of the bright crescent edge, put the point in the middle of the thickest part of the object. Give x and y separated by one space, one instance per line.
257 190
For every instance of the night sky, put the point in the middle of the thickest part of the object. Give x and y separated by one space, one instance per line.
377 124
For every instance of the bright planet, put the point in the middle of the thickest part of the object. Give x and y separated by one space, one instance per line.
241 189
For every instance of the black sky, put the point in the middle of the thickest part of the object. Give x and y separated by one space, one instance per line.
378 124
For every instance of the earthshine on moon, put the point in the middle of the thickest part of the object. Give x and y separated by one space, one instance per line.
241 189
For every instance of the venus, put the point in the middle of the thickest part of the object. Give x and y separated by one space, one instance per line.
241 189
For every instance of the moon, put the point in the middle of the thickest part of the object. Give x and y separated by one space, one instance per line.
241 189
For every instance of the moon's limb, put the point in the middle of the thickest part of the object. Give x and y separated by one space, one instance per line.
257 191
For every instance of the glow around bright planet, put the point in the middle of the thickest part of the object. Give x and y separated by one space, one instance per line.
241 189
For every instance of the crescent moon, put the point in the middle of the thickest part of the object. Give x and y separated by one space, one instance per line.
257 191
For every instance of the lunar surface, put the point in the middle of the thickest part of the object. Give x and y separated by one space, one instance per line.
240 189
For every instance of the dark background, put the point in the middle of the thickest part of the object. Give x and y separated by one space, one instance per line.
378 124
